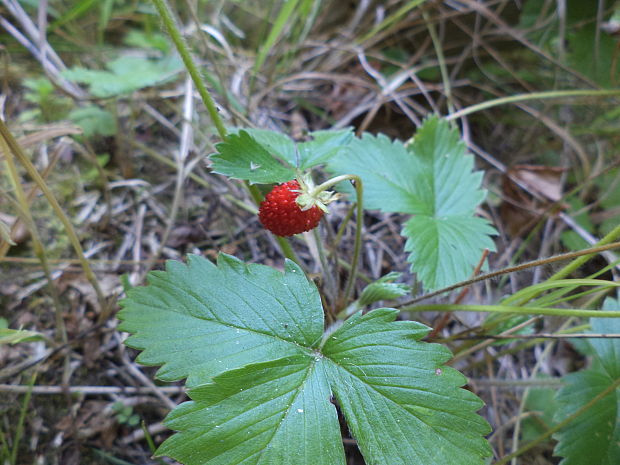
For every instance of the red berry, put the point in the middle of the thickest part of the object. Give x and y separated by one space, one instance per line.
280 213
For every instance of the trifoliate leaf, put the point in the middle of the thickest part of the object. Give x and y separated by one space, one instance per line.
248 339
262 156
383 288
200 320
126 74
432 179
400 403
594 436
241 156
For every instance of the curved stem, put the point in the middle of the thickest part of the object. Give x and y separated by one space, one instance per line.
512 309
333 181
531 96
359 190
511 269
175 34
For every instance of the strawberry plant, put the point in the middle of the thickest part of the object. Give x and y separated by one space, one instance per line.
279 367
267 368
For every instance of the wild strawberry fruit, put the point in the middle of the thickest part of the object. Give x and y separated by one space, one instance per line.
281 213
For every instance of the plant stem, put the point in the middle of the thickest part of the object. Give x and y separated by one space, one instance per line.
330 283
332 182
575 264
512 309
390 20
359 224
20 422
357 247
532 96
167 18
39 249
512 269
445 78
560 425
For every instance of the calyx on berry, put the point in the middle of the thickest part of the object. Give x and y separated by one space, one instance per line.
313 196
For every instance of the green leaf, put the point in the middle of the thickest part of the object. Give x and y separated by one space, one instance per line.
432 179
153 40
200 320
444 251
383 288
262 156
542 405
594 437
248 339
269 413
608 350
241 156
400 403
14 336
126 74
94 120
322 146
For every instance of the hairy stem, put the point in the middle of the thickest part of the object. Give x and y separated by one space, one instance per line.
167 18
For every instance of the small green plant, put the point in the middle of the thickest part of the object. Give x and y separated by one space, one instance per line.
264 370
48 105
125 414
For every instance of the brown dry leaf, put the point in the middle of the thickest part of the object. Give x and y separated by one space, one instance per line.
47 132
299 126
529 190
109 284
16 234
545 181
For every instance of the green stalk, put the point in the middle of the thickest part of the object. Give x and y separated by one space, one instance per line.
441 60
175 34
288 10
512 309
357 247
511 269
167 18
532 96
71 234
392 19
328 278
39 249
359 224
575 264
20 423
